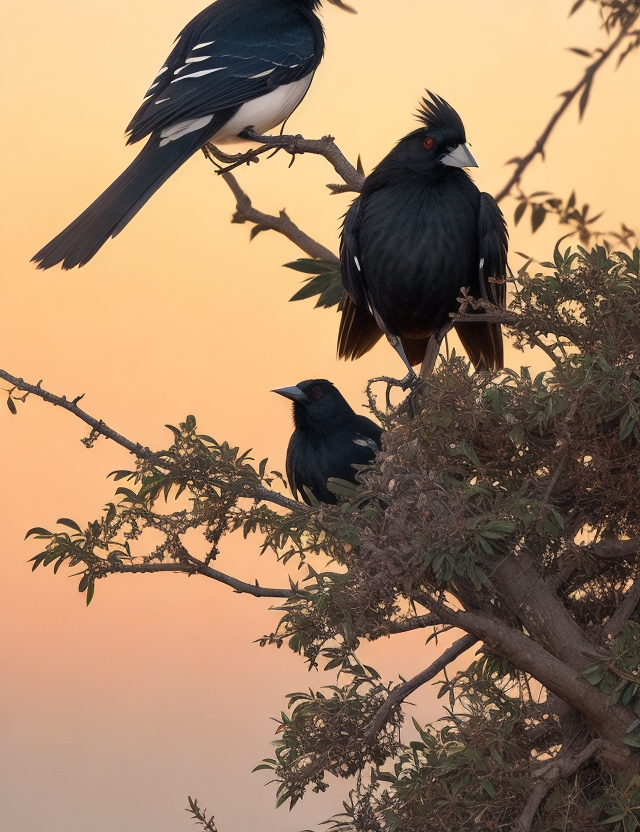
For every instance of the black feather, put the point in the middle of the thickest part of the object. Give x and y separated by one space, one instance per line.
329 439
419 232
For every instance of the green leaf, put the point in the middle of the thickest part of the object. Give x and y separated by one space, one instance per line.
634 741
538 216
309 266
488 787
520 209
38 530
496 756
64 521
343 488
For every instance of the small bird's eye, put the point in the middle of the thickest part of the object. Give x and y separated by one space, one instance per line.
429 143
315 393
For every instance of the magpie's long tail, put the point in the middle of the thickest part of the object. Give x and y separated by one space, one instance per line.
122 200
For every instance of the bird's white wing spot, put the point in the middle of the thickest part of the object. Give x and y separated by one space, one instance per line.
198 74
181 128
161 100
365 442
357 262
262 74
202 45
482 262
196 59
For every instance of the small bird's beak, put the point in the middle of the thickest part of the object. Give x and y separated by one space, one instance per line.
343 6
460 157
293 393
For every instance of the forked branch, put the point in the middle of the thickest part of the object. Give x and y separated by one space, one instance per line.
401 692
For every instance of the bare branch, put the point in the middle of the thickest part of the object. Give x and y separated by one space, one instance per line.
282 224
419 622
614 549
140 451
624 611
325 146
192 566
553 771
96 425
584 85
400 692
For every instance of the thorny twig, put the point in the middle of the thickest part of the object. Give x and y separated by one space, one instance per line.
584 86
138 450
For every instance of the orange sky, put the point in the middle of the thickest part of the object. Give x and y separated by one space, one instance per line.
112 715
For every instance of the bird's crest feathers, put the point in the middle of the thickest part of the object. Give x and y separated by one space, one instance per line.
436 114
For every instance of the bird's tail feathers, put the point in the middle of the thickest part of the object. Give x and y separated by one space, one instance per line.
122 200
483 345
358 332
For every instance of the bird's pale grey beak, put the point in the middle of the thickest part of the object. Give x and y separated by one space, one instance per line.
293 393
460 157
343 6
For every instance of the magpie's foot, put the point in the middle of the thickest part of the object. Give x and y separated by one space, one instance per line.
212 152
215 155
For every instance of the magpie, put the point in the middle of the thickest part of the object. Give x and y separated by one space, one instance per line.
238 64
329 438
419 232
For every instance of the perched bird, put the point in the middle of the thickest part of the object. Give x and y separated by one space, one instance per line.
328 440
418 233
238 64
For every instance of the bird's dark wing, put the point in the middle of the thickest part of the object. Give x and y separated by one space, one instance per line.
368 429
293 457
493 239
218 64
351 272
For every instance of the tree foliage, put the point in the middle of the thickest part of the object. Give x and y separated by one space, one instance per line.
504 505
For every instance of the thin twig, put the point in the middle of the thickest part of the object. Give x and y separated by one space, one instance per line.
419 622
282 223
96 424
140 451
538 148
193 567
558 769
401 692
325 146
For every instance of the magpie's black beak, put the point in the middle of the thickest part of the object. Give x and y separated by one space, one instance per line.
343 6
293 393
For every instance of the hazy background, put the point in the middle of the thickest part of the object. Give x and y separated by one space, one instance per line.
112 715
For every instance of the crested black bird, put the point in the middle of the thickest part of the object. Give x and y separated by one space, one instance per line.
329 438
419 232
239 64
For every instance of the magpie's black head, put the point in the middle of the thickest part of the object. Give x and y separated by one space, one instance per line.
439 145
316 403
313 4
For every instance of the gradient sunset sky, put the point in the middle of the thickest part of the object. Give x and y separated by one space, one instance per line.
112 715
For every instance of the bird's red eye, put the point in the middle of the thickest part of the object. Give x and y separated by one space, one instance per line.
315 393
428 143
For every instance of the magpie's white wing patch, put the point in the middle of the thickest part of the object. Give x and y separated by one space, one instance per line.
365 442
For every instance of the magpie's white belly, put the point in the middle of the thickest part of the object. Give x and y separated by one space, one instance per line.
263 113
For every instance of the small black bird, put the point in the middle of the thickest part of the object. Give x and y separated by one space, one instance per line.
418 233
328 440
238 64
